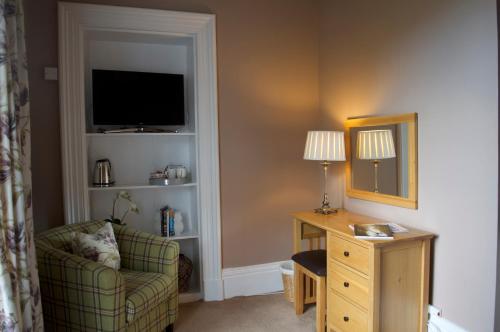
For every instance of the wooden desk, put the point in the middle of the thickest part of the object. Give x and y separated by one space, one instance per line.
371 285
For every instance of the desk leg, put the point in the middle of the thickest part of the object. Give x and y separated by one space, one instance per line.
297 236
424 287
321 304
298 296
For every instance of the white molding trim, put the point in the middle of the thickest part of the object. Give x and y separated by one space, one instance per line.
214 290
437 323
72 115
75 19
252 280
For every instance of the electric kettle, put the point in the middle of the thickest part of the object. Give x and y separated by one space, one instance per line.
102 173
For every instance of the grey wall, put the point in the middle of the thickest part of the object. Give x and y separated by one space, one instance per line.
497 301
439 59
41 44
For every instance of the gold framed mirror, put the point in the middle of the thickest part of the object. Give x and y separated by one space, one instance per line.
381 163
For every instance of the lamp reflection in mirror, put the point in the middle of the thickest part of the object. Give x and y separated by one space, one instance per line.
325 146
375 145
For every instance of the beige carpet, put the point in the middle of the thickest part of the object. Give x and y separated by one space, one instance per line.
244 314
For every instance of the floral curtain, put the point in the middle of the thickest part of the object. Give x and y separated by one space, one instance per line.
20 303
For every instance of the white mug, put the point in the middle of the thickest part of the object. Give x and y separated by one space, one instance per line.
181 172
171 172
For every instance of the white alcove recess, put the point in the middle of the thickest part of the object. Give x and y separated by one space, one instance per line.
135 39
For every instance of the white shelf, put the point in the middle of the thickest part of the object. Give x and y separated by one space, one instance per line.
186 236
138 134
147 186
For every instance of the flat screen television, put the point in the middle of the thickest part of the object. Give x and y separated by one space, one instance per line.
128 98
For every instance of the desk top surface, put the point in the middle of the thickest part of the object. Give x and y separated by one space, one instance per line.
339 223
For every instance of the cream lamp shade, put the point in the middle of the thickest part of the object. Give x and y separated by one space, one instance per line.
325 146
375 145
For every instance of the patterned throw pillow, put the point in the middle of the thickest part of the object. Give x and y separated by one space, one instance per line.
99 247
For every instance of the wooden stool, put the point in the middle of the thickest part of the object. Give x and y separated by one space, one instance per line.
313 265
314 237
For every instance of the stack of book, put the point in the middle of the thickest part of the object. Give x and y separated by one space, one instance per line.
167 221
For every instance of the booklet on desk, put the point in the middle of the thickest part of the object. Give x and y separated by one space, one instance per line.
395 228
373 232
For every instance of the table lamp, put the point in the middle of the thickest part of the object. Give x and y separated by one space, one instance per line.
375 145
325 146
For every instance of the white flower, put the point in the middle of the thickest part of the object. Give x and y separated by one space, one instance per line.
124 194
134 208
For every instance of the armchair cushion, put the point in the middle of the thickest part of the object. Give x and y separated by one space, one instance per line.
100 247
144 291
60 237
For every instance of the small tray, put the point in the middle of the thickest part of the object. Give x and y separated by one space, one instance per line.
168 182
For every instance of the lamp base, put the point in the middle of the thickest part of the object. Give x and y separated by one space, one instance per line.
325 210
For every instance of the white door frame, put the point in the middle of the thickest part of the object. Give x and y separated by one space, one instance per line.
75 20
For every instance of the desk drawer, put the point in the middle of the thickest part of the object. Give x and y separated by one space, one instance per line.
349 253
352 285
343 316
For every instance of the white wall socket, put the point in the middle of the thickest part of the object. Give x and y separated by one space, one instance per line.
434 311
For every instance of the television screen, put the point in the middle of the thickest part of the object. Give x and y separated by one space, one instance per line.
129 98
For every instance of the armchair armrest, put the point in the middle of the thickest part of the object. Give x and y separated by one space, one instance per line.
79 294
141 251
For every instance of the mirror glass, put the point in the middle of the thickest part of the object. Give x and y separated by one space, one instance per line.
379 159
382 159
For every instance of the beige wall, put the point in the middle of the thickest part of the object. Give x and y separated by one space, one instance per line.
268 98
439 59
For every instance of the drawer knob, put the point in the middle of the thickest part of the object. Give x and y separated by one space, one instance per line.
346 284
346 318
346 253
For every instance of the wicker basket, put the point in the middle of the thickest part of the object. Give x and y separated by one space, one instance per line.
185 271
287 275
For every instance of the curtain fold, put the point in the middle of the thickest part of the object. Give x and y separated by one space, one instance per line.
20 303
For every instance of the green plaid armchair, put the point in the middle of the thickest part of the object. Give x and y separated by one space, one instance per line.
82 295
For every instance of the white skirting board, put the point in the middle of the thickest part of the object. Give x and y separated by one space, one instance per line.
214 290
252 280
437 323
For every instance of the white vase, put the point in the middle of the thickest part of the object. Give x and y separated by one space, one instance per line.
178 224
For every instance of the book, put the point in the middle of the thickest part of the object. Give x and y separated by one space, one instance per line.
164 221
373 232
167 217
395 228
171 214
